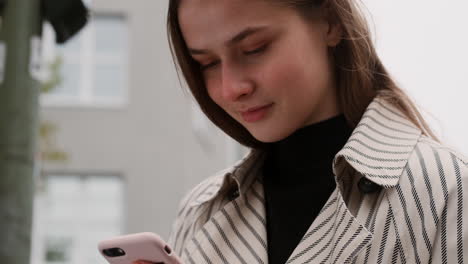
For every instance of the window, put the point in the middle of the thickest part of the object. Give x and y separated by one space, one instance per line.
93 66
73 213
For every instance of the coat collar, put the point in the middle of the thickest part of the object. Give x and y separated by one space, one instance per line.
378 148
380 145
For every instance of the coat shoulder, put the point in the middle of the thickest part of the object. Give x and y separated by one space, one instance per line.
434 168
190 208
434 147
205 190
429 203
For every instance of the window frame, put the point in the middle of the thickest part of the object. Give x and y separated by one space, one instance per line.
87 58
39 230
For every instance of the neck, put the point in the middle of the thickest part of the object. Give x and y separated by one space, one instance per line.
309 148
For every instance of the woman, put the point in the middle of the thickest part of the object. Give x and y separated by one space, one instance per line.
342 167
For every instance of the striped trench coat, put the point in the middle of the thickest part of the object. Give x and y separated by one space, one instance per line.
400 198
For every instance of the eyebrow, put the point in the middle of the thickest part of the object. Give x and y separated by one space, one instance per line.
237 38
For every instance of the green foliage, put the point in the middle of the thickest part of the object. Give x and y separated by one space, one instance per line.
49 151
48 130
55 78
58 250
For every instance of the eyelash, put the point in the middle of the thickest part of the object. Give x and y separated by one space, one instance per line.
255 51
252 52
205 67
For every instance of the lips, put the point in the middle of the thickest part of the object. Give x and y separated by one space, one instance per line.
257 113
252 109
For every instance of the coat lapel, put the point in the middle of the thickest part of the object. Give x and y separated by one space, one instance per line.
335 236
234 234
378 150
237 234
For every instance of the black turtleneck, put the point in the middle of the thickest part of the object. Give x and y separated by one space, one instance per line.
298 180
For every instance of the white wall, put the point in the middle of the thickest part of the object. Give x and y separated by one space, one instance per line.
424 45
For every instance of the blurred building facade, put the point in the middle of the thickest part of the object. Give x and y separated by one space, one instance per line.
135 143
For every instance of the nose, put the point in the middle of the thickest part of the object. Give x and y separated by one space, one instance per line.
235 83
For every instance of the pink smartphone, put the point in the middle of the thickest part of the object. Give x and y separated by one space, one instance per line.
140 246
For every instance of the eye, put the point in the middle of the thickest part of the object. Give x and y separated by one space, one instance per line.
209 65
255 51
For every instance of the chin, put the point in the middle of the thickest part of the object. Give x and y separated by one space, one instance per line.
269 136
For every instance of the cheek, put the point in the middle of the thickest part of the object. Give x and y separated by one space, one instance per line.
214 92
282 74
299 70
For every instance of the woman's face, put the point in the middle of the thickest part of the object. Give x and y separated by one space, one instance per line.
256 54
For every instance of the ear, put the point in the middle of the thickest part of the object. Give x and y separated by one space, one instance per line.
334 34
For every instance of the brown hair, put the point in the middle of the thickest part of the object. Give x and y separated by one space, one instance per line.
359 73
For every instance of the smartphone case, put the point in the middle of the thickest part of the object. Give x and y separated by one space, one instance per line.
140 246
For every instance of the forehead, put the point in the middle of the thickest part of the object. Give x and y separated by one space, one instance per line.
205 22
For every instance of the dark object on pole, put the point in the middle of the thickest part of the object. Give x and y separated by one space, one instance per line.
2 6
67 17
